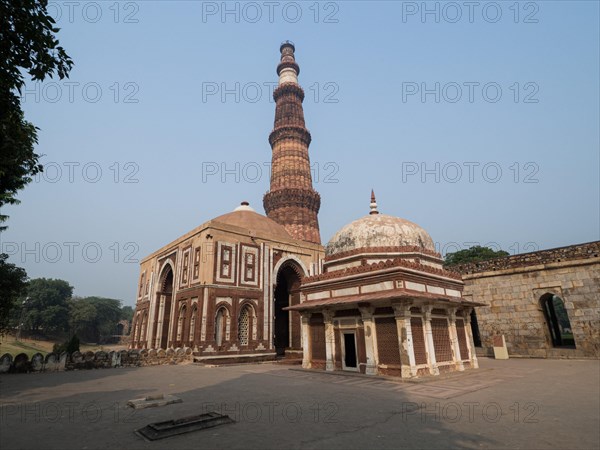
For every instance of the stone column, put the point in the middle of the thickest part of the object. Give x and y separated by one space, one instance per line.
370 339
405 340
431 361
329 340
306 344
470 341
456 356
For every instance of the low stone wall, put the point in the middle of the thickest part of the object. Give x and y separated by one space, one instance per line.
53 362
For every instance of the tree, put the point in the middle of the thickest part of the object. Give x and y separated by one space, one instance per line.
47 307
127 313
95 318
108 313
82 318
13 285
473 254
27 45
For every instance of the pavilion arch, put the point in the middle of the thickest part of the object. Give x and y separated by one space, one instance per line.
557 320
287 278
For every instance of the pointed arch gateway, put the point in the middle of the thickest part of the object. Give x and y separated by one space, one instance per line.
162 307
286 324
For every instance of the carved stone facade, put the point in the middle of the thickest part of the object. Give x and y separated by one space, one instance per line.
214 289
516 290
221 289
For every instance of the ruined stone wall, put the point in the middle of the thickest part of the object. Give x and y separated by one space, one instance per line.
513 286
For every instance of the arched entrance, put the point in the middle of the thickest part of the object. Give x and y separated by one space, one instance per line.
286 326
162 309
558 321
475 329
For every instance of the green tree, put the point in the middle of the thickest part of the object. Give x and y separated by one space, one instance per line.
108 313
27 46
473 254
127 313
13 285
82 318
47 307
95 318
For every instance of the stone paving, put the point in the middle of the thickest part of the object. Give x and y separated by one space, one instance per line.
519 403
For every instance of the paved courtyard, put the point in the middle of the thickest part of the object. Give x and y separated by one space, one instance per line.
519 403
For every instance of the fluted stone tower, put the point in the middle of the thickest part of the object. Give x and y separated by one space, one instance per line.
291 201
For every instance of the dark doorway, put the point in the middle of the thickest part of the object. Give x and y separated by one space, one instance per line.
350 351
475 329
558 321
286 288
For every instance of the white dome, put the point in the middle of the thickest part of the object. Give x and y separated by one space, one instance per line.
379 230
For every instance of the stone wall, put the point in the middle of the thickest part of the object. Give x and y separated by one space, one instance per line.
560 254
513 286
53 362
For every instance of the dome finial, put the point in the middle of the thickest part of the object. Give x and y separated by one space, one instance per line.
244 206
373 203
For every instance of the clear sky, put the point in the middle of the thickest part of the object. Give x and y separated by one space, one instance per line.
478 121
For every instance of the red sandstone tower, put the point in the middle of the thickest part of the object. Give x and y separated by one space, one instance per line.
291 201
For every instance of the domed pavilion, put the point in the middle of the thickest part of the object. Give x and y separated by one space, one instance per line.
384 303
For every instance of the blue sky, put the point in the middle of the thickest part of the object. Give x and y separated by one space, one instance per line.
482 126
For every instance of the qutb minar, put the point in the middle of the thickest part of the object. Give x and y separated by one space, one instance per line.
292 201
248 287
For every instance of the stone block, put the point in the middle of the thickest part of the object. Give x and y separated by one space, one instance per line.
51 362
37 362
5 362
153 401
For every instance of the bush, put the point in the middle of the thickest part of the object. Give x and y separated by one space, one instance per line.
70 346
